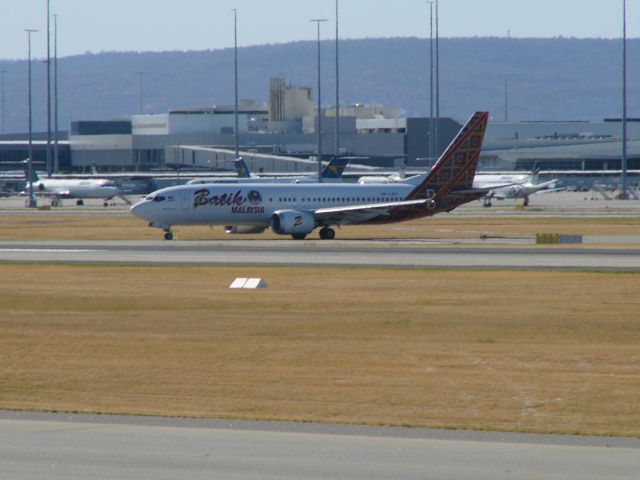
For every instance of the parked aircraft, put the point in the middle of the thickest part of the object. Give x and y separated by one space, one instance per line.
331 172
393 178
298 209
59 188
513 186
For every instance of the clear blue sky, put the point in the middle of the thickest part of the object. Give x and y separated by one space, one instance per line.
156 25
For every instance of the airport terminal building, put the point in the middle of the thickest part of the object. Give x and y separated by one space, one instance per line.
203 139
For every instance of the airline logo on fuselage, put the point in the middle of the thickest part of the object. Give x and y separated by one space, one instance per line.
236 200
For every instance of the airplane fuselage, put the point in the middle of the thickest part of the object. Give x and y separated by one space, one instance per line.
70 188
262 180
254 204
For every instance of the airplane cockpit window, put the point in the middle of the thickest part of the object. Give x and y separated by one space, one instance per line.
155 198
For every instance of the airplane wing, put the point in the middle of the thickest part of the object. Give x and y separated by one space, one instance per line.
550 190
472 191
360 213
56 194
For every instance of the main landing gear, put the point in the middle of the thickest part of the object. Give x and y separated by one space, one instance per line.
327 233
168 235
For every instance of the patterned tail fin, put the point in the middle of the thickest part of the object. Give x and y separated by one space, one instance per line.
456 168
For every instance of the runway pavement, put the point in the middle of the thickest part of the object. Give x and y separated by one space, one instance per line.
347 253
58 446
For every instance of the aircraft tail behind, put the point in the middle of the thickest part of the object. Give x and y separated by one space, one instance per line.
241 168
34 175
535 174
335 167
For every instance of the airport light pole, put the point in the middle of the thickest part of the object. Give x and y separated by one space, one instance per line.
31 202
318 21
49 163
437 146
432 146
141 97
506 96
2 73
337 87
235 81
623 176
56 157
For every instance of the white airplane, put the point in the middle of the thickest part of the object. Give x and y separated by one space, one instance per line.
298 209
393 178
513 186
59 188
330 173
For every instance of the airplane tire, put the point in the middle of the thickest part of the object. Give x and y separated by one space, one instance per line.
299 236
327 233
168 236
79 202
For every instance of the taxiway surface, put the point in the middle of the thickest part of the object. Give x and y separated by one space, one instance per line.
395 254
57 446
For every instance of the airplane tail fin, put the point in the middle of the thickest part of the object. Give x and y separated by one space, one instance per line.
449 183
241 168
535 174
335 167
34 175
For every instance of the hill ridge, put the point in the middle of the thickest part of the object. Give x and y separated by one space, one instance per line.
549 78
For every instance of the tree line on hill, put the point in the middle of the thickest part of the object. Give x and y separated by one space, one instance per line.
548 79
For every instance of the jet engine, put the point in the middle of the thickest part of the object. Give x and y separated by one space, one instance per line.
292 222
243 229
516 191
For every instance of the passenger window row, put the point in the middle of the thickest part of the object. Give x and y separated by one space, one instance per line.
340 199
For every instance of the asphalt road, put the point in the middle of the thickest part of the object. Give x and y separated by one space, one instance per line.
399 254
42 446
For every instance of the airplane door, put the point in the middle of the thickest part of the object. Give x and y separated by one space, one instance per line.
185 201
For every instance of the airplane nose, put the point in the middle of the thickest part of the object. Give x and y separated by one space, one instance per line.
140 209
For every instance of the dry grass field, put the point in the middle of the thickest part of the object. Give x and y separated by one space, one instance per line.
542 351
52 225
